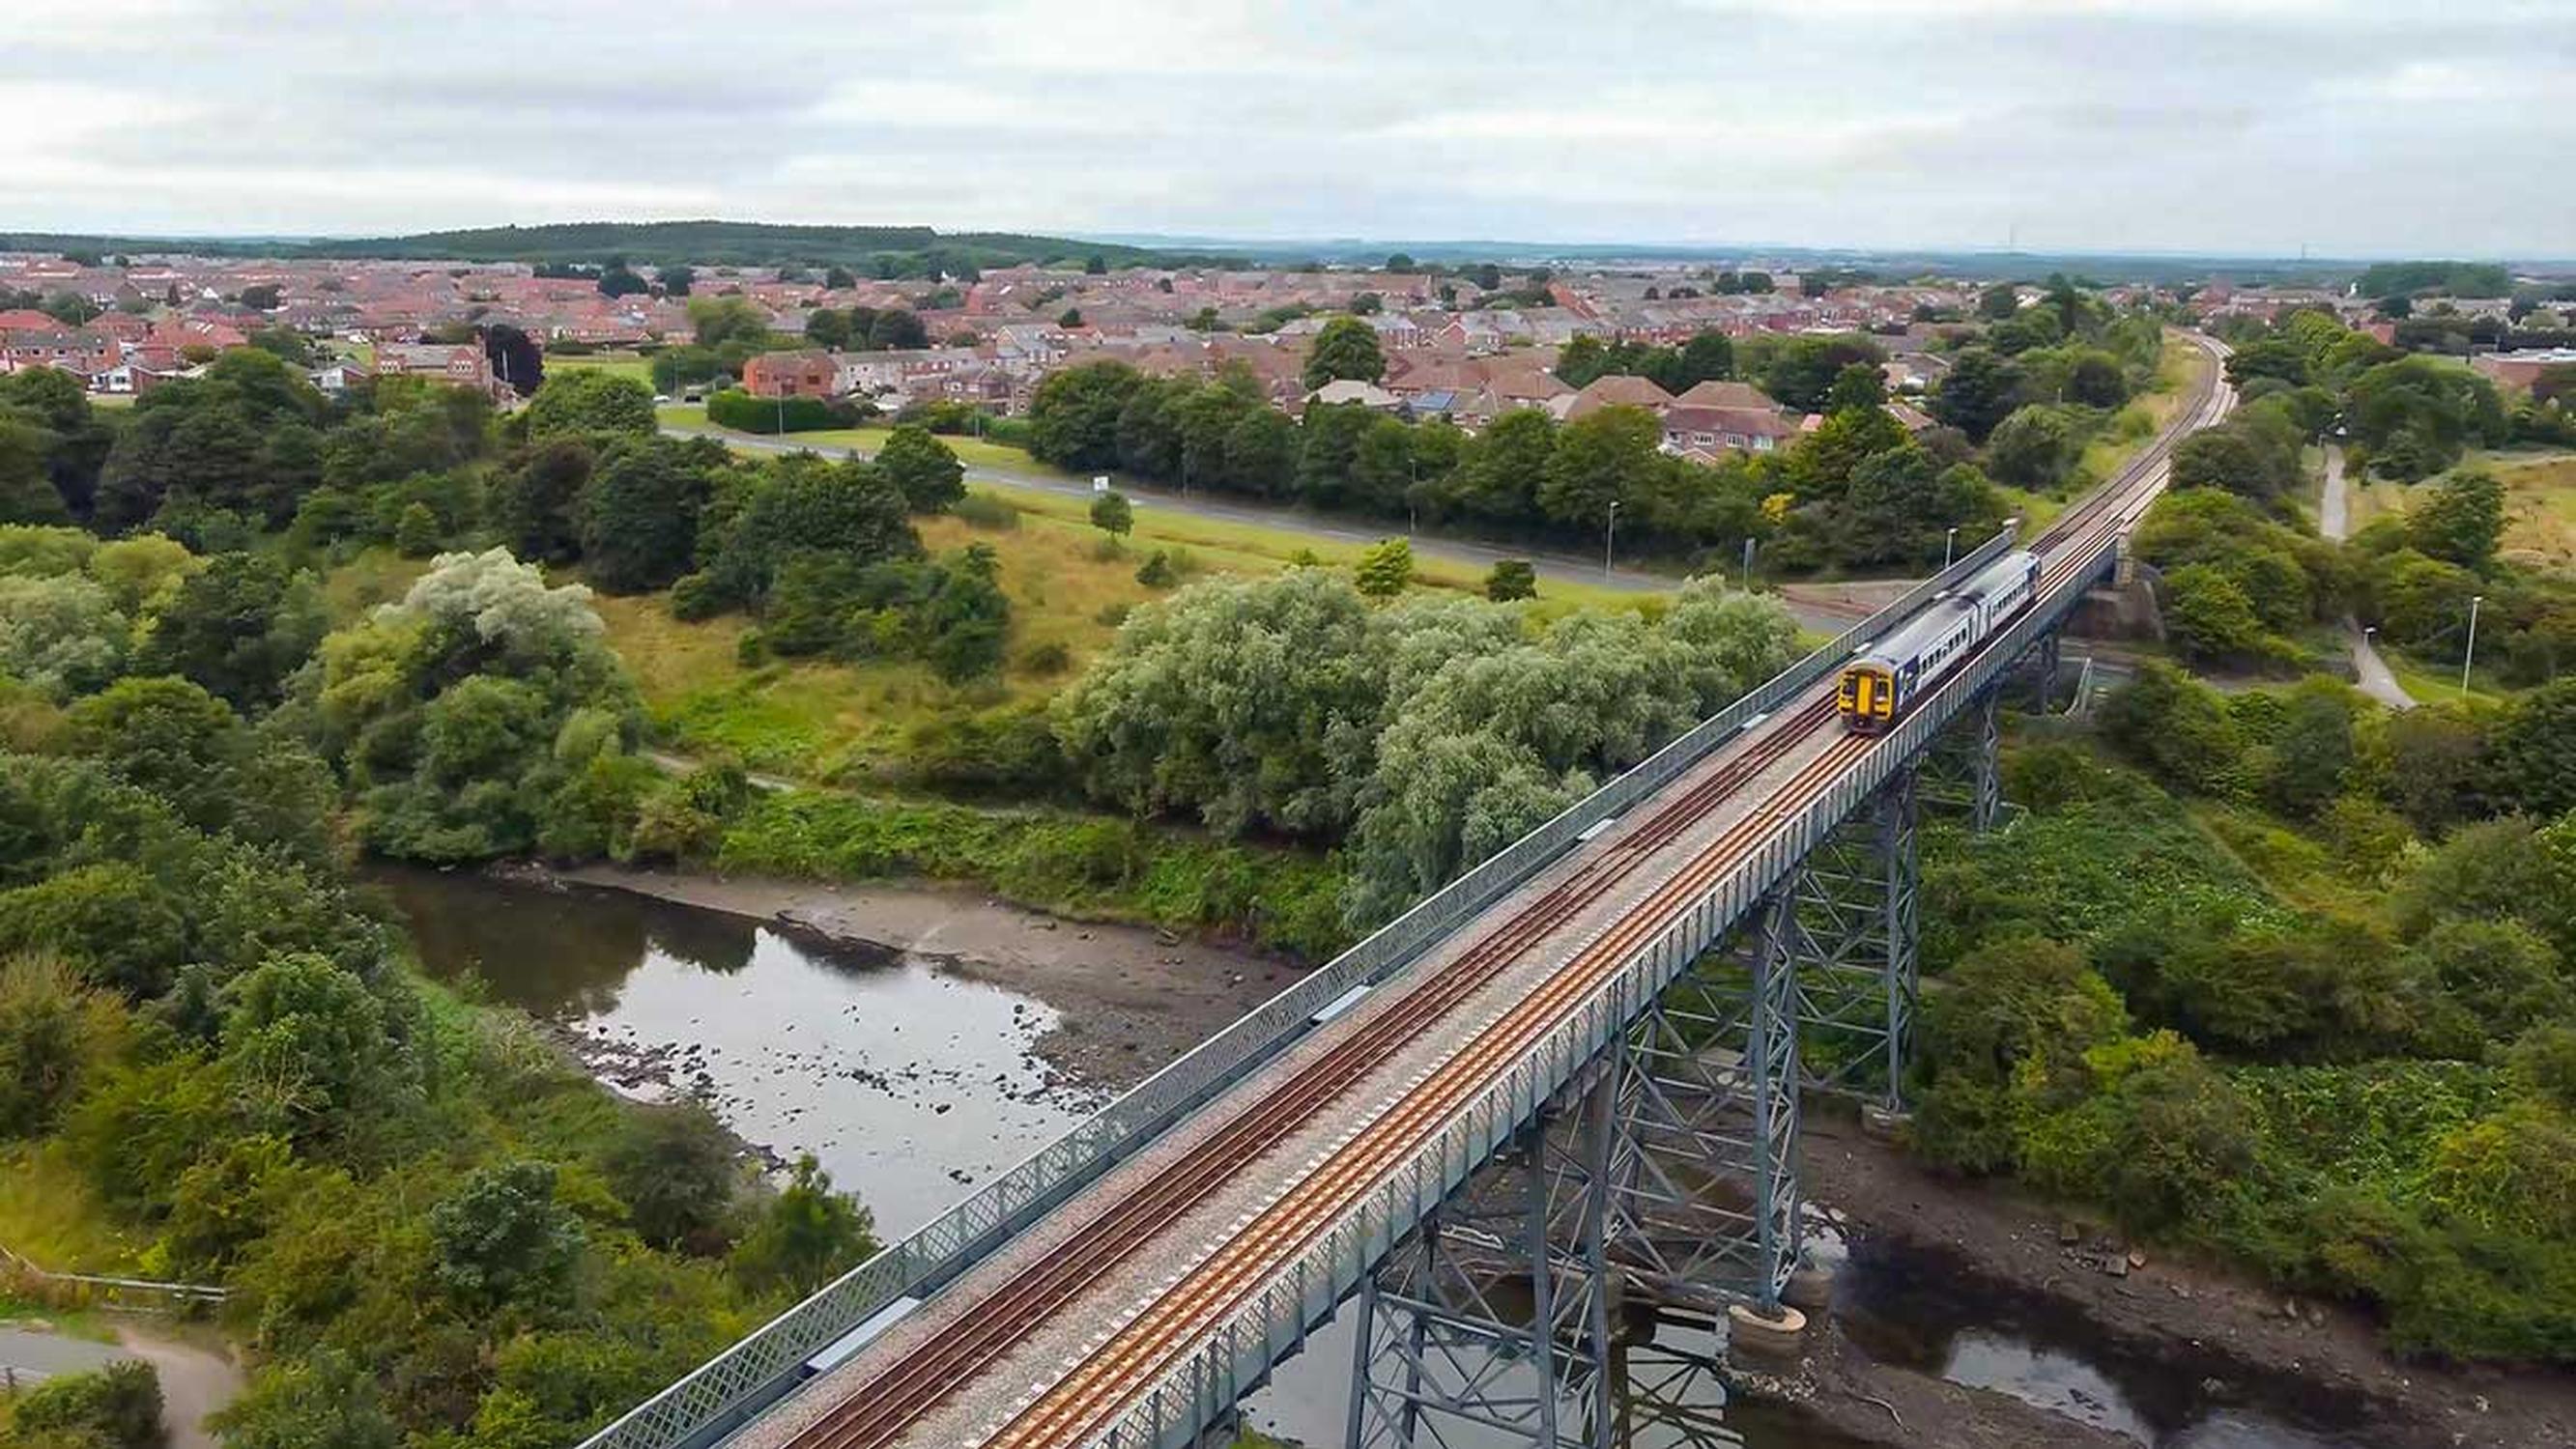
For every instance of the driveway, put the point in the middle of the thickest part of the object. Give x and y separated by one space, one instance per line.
195 1381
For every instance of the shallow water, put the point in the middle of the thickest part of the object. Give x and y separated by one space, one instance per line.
909 1084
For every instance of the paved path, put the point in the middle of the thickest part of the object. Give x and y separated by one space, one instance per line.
37 1356
2334 520
195 1382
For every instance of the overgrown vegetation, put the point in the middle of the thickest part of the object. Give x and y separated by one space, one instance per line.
436 1231
2281 981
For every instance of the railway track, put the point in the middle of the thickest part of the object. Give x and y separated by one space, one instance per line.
883 1408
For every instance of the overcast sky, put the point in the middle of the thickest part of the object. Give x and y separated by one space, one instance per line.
2369 127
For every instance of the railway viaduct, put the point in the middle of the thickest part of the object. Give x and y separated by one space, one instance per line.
1573 1074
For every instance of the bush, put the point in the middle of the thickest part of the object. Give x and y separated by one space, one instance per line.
733 408
118 1407
988 512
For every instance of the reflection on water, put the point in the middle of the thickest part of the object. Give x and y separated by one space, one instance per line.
2058 1382
1915 1310
909 1084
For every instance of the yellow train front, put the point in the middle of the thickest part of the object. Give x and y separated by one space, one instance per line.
1868 697
1886 675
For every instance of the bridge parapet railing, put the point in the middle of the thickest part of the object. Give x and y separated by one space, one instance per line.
1238 1351
726 1390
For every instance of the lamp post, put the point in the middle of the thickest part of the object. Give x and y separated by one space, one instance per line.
1609 538
1748 565
2471 652
1949 541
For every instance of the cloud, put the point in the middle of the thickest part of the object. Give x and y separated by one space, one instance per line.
2346 125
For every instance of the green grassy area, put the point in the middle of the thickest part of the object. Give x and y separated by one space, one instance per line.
975 451
621 364
375 576
50 1215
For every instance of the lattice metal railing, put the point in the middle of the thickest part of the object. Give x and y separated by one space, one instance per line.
1244 1343
752 1373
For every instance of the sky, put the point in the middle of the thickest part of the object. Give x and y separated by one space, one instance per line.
2246 127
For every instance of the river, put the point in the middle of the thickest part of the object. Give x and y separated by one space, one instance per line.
911 1082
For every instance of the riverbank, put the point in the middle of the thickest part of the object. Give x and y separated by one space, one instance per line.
1129 998
2205 1324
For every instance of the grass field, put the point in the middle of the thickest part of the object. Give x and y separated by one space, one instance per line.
2539 502
49 1215
622 364
867 440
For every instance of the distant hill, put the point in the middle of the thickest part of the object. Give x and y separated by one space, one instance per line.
658 243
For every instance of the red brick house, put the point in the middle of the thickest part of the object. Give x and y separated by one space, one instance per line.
790 374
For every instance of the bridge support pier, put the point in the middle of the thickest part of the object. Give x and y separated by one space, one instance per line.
1497 1314
1704 1177
1962 768
1859 918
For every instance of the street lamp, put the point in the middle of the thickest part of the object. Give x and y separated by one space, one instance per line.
2470 652
1609 538
1948 541
1748 565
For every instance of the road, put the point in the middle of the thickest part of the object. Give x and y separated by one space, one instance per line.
2334 520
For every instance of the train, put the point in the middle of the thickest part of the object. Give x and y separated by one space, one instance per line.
1888 674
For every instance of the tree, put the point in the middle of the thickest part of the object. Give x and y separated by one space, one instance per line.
1069 318
2532 750
1998 302
1600 460
1095 265
1346 348
2211 618
1113 515
1385 568
591 400
502 1239
809 1236
1707 357
925 469
2035 447
676 281
674 1168
1074 418
1230 701
53 1030
515 357
536 503
639 513
1511 578
321 1401
1979 391
1858 385
2462 519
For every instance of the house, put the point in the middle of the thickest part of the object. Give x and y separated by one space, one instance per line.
339 376
1717 393
791 374
1351 390
460 363
1707 431
1615 391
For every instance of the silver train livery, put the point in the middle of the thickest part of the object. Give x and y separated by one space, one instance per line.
1883 680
